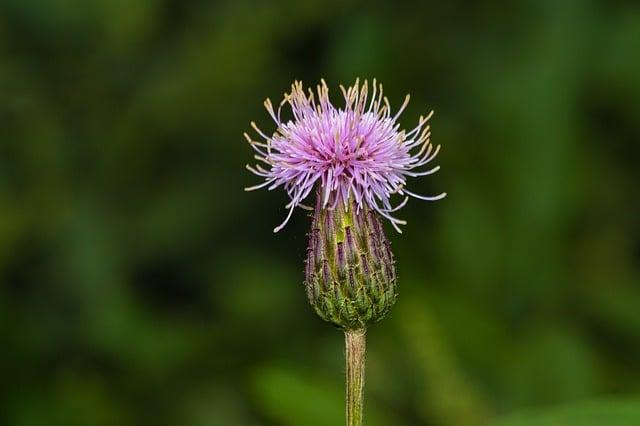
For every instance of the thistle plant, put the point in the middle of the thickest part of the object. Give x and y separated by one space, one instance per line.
353 159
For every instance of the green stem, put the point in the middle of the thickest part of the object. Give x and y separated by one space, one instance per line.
354 353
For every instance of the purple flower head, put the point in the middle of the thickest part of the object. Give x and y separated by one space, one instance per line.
356 152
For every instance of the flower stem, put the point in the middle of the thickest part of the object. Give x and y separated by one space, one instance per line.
354 352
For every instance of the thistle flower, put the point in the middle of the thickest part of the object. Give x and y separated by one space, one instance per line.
356 152
356 157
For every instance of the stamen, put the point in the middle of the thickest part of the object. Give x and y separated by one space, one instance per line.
262 185
282 225
422 197
257 129
427 173
404 105
398 207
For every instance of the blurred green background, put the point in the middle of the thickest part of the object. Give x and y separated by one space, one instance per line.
140 285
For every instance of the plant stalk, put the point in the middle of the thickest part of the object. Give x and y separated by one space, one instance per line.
354 354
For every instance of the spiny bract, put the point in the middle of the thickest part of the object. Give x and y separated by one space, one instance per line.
350 272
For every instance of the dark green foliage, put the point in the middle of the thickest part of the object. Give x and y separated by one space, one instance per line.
139 284
610 412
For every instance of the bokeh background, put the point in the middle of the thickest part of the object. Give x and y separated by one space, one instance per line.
140 285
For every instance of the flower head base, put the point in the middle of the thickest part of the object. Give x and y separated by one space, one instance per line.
350 273
356 153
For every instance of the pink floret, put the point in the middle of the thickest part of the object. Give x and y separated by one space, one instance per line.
356 152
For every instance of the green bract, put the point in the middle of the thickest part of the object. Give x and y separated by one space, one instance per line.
350 271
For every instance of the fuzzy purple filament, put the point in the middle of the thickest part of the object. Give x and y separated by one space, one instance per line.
357 152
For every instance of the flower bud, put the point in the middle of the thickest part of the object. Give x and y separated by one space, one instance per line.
350 273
